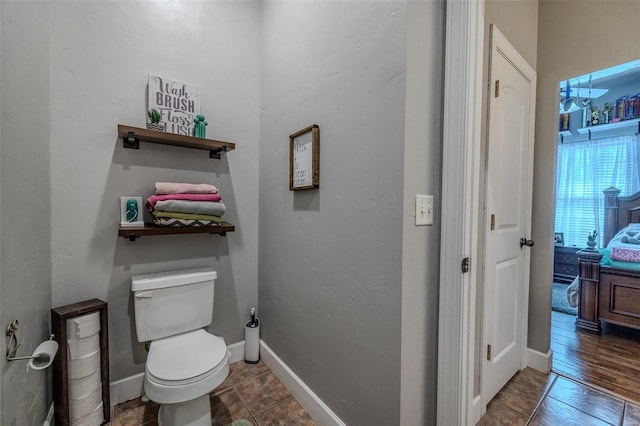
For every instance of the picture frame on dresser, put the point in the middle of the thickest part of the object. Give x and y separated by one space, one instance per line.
559 238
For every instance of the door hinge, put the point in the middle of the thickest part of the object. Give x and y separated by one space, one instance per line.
465 265
488 352
497 88
493 222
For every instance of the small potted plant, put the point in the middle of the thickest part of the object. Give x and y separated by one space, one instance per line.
591 239
154 124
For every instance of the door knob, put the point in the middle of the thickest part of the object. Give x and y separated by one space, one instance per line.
525 242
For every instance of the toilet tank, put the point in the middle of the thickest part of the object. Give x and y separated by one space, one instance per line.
173 302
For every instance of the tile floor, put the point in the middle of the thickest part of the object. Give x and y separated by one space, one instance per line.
251 392
537 399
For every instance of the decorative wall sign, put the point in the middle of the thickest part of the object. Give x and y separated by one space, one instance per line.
175 104
304 159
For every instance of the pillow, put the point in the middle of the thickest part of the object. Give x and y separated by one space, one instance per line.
631 238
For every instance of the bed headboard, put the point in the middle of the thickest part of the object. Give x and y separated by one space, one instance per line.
619 212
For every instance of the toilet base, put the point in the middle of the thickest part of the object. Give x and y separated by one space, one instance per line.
196 412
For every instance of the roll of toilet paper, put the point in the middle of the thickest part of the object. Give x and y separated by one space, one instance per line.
86 404
83 326
84 366
43 355
79 348
95 418
84 385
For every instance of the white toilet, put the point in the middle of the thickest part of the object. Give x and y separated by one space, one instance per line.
185 362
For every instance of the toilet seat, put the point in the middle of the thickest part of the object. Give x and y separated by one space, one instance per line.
184 367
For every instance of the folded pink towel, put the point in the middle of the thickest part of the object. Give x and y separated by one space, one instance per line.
185 188
152 200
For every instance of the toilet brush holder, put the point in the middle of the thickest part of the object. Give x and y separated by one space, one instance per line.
252 341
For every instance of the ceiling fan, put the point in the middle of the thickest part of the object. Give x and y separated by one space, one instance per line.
570 96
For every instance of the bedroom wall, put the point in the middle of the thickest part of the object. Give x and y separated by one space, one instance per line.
100 56
331 258
25 201
565 49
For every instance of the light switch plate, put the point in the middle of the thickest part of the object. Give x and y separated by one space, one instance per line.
424 210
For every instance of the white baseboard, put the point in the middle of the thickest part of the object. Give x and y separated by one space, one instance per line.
133 386
126 389
315 407
539 361
237 352
49 420
478 409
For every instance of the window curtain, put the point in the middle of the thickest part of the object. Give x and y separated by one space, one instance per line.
584 170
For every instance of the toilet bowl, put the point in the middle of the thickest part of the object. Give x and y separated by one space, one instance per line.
183 367
184 362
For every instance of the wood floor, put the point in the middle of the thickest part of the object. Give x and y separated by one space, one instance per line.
610 361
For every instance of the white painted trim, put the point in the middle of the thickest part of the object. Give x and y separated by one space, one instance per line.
460 175
126 389
478 409
49 420
237 352
539 361
317 409
133 386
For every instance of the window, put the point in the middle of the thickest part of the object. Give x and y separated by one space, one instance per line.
585 169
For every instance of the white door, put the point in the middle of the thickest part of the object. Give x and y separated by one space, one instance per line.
508 209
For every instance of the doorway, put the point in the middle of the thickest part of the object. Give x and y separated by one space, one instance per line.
598 147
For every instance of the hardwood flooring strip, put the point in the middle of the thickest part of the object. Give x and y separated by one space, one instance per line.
610 361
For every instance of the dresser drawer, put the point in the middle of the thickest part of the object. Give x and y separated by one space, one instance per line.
566 258
565 264
559 268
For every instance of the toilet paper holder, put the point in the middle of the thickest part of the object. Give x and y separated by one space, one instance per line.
13 345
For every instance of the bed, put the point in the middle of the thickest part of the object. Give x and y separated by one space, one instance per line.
609 291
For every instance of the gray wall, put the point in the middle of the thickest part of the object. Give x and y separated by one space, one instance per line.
330 259
421 245
565 49
25 205
100 56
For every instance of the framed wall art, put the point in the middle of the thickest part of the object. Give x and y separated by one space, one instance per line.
304 159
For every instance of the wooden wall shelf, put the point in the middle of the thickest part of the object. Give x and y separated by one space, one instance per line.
131 136
152 229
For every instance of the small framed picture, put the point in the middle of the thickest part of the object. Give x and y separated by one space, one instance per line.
559 238
304 159
131 211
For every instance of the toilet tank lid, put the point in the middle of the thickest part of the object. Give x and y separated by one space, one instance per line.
171 278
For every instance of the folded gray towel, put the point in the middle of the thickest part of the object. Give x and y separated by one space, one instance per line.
212 208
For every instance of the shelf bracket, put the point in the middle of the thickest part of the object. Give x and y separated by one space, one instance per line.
216 153
132 237
131 141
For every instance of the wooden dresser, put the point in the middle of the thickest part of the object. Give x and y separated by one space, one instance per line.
565 264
